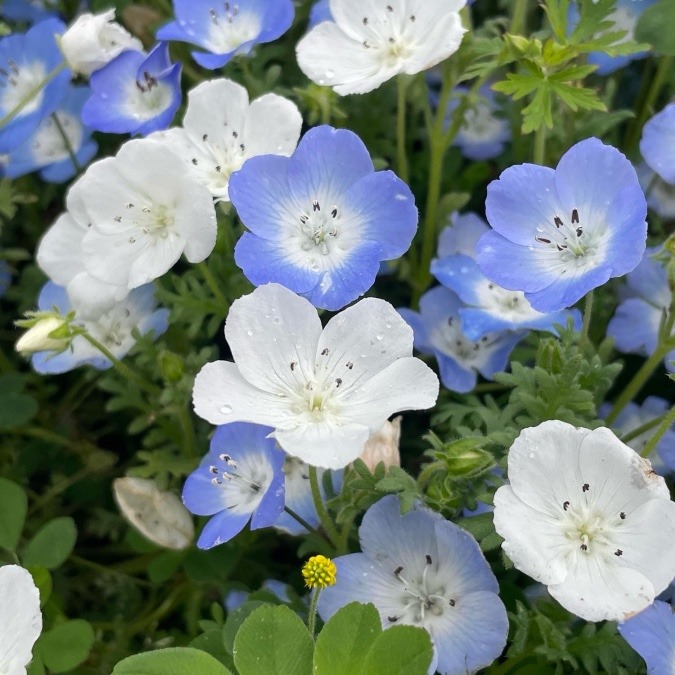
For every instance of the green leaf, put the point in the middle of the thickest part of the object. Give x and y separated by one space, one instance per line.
13 507
173 661
344 642
66 645
52 544
16 408
400 650
655 26
234 621
273 641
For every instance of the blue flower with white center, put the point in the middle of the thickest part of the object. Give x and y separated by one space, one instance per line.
113 328
135 93
320 13
50 146
299 496
438 332
658 143
322 220
419 569
634 416
490 307
239 479
26 60
225 29
660 195
557 234
646 296
651 634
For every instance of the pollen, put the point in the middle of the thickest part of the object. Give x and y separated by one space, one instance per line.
319 572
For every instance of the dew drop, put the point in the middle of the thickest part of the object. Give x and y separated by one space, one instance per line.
530 248
532 455
249 333
379 337
226 409
329 74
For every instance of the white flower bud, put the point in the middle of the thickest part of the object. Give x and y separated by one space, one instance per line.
94 40
158 516
382 446
40 336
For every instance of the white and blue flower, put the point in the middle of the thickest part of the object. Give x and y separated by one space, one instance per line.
322 220
558 234
239 479
136 93
658 143
225 29
419 569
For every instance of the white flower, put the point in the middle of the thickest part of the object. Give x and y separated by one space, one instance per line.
20 619
159 516
94 40
221 131
370 42
324 392
145 209
586 515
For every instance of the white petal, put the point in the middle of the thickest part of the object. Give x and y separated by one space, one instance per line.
273 125
328 56
89 296
273 334
59 253
221 395
20 618
324 444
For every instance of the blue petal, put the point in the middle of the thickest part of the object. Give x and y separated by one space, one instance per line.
658 143
221 528
649 280
462 235
461 274
499 358
634 327
212 61
421 336
172 31
272 504
52 296
454 375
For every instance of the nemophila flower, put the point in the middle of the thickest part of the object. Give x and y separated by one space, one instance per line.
660 195
322 220
658 143
438 332
367 44
49 147
136 93
634 416
624 16
652 635
20 619
221 130
320 12
490 307
419 569
239 479
461 235
226 29
112 328
323 392
558 234
635 324
26 59
146 210
94 40
587 516
484 132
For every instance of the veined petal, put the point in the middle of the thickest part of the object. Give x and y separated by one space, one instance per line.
273 125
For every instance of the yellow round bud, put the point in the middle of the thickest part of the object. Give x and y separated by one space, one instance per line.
319 572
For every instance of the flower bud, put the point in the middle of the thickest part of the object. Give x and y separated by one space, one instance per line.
382 446
94 40
46 333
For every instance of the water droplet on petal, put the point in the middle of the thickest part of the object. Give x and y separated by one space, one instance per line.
379 337
249 333
532 455
226 409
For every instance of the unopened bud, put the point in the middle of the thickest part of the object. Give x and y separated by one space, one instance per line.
46 332
172 366
382 446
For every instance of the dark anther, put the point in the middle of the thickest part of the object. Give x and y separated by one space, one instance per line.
575 216
491 286
325 352
304 219
218 168
316 206
194 161
365 20
584 547
225 457
561 248
350 365
541 240
293 364
242 147
398 570
390 8
428 559
585 487
235 134
118 219
413 18
204 137
338 382
213 469
618 552
334 213
622 515
565 506
484 338
450 320
580 231
391 40
558 222
392 619
451 602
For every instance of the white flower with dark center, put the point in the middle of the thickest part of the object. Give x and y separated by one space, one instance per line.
221 130
368 43
587 516
20 619
323 392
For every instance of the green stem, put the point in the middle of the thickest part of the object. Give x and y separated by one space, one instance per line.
190 439
666 423
122 368
67 143
298 518
311 617
540 145
588 311
401 153
213 284
519 17
326 521
643 428
32 93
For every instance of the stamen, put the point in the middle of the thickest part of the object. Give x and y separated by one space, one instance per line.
541 240
392 619
585 487
293 364
558 222
338 382
575 216
565 506
622 515
325 352
618 553
316 206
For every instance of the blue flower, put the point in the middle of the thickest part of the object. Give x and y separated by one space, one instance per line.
422 570
46 148
634 416
646 295
322 220
658 143
239 479
320 13
112 328
652 635
135 93
438 333
461 235
557 234
660 195
226 29
237 597
491 307
28 10
26 59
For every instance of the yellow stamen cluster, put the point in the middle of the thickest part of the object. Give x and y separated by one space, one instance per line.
319 572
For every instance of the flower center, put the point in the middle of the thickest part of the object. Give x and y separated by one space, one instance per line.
480 123
243 485
230 28
155 220
319 229
17 83
389 36
449 339
147 97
